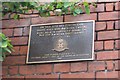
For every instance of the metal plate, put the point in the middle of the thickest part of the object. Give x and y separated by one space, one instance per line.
59 42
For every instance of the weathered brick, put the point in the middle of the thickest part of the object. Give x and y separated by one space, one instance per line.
103 35
15 23
42 20
117 6
107 55
109 44
99 45
100 8
35 11
27 69
62 67
108 16
14 60
95 37
4 70
16 50
17 77
117 65
82 17
6 16
23 49
13 70
26 30
110 65
45 68
29 16
78 75
79 66
110 25
113 74
100 26
96 66
18 31
8 32
117 44
117 24
19 40
42 77
109 6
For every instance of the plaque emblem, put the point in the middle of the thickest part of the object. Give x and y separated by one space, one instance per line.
60 45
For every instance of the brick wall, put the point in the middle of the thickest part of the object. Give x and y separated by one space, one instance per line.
107 46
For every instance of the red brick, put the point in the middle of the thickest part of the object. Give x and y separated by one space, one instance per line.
117 44
1 72
107 55
13 70
96 66
109 44
117 6
108 16
46 68
78 75
62 67
19 40
30 11
100 26
15 23
100 8
109 7
42 77
18 31
23 49
82 17
113 74
95 37
77 66
110 25
26 31
28 16
4 70
117 24
17 77
27 69
110 65
6 16
35 11
99 45
103 35
16 50
117 65
41 20
14 60
8 32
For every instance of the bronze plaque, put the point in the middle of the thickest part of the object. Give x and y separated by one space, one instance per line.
60 42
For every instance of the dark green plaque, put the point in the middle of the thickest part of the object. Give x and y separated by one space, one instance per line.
60 42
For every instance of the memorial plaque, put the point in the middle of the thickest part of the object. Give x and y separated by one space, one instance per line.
60 42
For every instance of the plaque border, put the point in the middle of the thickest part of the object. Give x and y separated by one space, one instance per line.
92 58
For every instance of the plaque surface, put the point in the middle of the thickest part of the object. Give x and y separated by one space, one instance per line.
59 42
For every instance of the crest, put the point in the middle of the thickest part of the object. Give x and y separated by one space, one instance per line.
60 45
